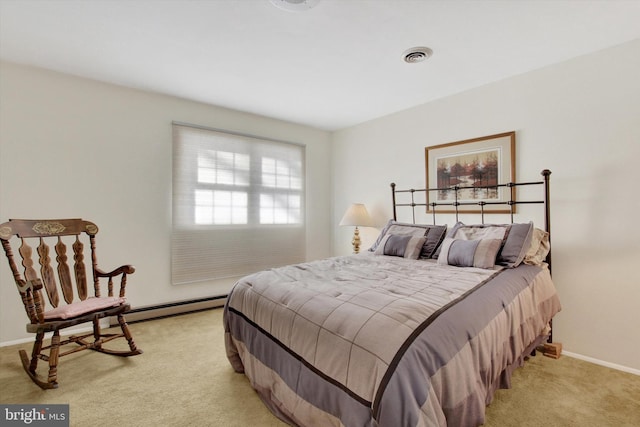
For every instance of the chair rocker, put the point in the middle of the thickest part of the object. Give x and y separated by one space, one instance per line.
61 311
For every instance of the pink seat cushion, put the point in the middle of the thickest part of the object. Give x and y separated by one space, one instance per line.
82 307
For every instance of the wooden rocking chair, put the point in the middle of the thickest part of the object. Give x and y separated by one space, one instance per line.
66 313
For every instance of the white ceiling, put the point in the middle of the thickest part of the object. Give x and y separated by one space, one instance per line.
332 66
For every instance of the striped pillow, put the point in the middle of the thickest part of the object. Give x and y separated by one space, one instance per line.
406 246
516 239
434 234
479 253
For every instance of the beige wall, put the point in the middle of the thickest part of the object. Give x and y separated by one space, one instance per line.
71 147
581 119
75 147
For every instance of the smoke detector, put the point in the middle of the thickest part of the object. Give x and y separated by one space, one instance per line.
417 54
294 5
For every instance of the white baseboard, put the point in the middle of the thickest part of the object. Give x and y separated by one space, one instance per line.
171 309
602 363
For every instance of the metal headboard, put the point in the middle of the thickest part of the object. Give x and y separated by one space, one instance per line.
511 203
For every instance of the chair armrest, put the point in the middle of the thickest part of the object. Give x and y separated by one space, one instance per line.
122 270
24 286
127 269
30 291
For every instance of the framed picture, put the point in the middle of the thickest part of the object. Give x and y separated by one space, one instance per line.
472 164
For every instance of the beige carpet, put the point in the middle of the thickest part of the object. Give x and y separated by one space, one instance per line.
184 379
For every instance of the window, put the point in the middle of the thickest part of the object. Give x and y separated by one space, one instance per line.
238 204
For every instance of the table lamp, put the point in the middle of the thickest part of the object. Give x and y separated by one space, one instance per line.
356 215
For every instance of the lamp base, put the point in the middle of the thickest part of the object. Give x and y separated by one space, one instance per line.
356 241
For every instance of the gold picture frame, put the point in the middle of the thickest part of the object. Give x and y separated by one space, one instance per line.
484 161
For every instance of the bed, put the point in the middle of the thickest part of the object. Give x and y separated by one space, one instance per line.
419 331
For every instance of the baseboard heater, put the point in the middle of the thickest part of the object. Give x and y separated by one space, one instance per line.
171 309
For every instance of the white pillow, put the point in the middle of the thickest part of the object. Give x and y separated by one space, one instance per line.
539 248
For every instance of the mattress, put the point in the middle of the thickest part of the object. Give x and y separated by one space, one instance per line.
370 340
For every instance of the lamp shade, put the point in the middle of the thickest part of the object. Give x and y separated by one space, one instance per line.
356 215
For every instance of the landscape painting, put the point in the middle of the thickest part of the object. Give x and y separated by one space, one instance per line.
475 167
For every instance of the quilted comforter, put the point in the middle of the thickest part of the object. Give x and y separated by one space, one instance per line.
367 340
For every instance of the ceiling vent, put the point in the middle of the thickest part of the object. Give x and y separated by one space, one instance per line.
416 54
294 5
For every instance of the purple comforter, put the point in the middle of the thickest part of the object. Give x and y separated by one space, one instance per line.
384 341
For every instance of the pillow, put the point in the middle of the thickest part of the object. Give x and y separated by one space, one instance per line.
516 239
434 234
516 245
383 232
82 307
479 231
407 245
475 232
538 249
479 253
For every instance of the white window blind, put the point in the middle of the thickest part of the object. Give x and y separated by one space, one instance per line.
237 204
